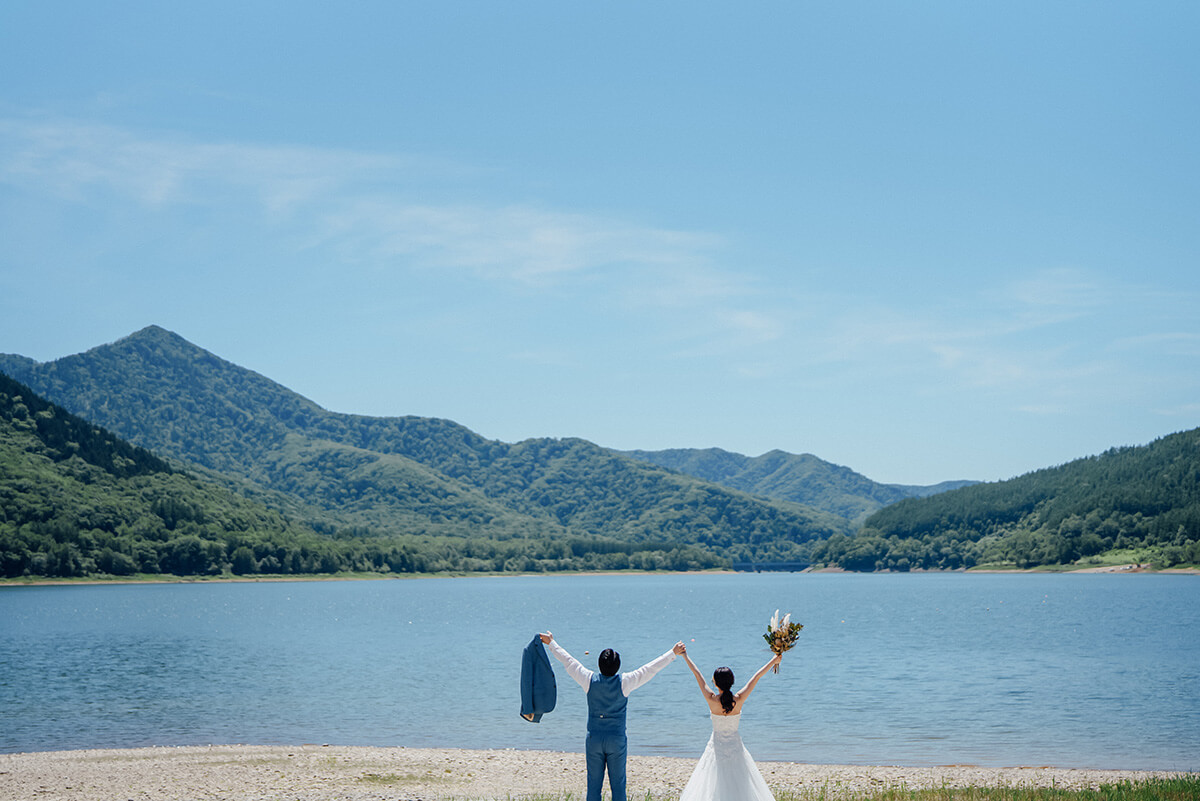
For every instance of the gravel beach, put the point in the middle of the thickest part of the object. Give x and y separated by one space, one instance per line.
316 773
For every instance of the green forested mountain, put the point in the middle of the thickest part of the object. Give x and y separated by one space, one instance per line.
76 500
568 502
1145 497
231 471
802 478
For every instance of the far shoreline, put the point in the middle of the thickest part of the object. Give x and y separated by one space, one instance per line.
41 581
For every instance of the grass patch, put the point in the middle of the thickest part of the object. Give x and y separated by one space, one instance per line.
1182 788
385 778
1123 556
403 778
1009 566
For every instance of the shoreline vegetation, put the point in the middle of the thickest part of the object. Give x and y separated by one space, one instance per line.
321 772
1131 568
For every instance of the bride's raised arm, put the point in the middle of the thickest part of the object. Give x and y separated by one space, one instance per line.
762 671
704 688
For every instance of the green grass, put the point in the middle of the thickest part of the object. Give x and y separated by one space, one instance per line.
404 778
1184 788
384 778
1124 556
1009 566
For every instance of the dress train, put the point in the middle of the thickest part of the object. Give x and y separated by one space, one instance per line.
726 771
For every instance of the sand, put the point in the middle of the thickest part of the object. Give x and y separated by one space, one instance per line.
316 773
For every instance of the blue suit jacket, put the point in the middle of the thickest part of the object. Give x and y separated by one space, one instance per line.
539 693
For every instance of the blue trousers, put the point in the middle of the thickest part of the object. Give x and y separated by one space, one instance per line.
606 751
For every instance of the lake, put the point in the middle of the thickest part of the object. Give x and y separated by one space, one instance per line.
911 669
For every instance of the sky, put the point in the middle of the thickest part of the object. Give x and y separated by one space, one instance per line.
927 241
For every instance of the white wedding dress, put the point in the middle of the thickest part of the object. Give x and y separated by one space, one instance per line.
726 771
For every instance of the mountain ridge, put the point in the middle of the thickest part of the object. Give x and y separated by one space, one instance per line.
801 478
418 494
400 473
76 500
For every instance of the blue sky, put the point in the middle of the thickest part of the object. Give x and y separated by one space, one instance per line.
927 241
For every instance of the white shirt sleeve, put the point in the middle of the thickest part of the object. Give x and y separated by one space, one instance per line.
631 681
582 676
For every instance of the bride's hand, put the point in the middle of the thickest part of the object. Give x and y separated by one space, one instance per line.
680 649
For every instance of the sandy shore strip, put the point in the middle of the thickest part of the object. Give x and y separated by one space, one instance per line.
317 773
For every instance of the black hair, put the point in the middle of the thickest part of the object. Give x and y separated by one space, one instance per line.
723 678
610 662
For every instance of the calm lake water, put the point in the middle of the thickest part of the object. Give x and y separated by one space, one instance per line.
1068 670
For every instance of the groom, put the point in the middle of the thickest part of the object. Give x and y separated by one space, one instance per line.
607 694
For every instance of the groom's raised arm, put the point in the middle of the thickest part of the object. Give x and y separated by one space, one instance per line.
582 676
631 681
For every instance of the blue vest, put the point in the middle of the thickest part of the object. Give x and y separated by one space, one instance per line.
606 705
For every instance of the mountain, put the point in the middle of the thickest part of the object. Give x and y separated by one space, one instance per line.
1141 501
411 476
802 479
76 500
925 490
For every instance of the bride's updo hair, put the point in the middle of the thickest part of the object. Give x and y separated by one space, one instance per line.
723 678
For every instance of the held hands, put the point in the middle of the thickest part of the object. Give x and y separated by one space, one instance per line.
547 638
679 649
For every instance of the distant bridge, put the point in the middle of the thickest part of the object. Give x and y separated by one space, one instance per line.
782 567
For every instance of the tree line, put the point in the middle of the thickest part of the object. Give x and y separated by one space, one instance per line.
1127 499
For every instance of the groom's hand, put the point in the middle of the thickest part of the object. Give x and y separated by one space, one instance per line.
679 648
547 638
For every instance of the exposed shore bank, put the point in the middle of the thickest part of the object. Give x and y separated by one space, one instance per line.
325 773
1126 569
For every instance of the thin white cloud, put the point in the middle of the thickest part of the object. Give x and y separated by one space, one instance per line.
1185 410
75 160
359 201
1183 343
1032 332
1044 409
753 326
1061 288
523 244
369 213
366 211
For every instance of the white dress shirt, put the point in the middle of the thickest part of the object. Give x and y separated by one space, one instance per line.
629 681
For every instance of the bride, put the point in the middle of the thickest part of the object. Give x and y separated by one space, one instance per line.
726 771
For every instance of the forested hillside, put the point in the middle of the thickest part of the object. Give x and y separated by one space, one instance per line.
384 477
1144 498
232 472
802 478
77 501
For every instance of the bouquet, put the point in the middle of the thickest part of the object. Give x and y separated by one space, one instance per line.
782 634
